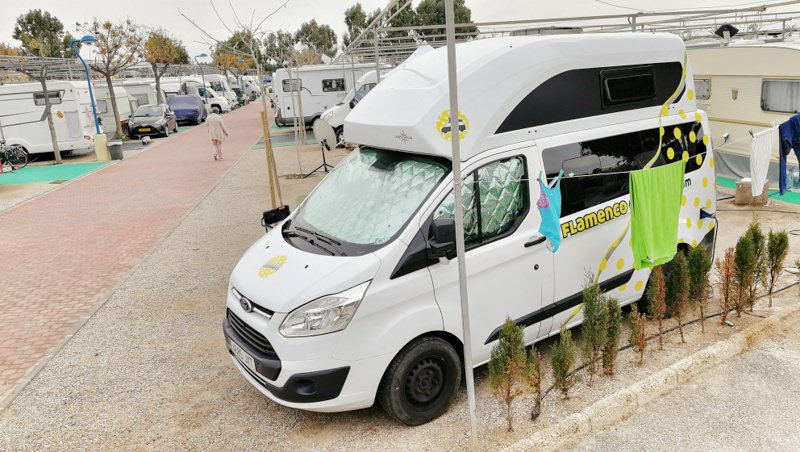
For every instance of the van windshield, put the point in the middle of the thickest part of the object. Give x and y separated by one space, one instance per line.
365 202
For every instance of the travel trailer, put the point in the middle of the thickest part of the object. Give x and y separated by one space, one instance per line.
219 83
352 299
336 115
142 92
747 86
105 111
24 124
320 87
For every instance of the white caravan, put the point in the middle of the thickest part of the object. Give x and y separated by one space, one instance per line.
22 109
102 97
746 86
336 115
321 86
352 298
219 83
142 92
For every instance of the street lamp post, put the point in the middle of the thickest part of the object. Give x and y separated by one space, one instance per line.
87 38
202 75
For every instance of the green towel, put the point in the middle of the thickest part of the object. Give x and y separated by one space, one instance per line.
655 208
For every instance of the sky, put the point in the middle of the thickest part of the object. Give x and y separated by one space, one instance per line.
165 13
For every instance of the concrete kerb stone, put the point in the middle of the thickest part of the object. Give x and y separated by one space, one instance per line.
624 403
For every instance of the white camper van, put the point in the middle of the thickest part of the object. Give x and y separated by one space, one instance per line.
352 298
320 87
194 86
219 83
22 107
105 111
336 115
142 92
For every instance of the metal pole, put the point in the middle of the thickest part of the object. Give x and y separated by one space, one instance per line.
459 213
377 61
203 76
353 73
88 82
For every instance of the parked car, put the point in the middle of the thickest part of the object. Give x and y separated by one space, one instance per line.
152 120
188 108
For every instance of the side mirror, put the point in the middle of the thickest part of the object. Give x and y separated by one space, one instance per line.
442 241
353 104
273 216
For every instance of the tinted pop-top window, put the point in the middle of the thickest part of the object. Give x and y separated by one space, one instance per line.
604 163
628 85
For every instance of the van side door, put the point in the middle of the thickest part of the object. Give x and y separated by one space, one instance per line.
510 271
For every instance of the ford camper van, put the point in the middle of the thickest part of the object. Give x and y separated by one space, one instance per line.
353 299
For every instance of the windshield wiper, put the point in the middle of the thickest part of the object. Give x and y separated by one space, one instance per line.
323 238
310 241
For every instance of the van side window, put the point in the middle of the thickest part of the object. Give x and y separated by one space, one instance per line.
289 86
495 201
627 85
331 85
55 97
606 162
780 96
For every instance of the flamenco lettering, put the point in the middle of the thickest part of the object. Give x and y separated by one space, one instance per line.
592 219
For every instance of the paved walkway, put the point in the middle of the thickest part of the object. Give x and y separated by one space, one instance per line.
62 254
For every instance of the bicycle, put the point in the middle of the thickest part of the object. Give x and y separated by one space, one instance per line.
14 155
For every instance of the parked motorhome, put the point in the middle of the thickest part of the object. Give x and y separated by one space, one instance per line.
105 111
219 83
194 86
142 92
336 115
747 86
352 299
320 87
22 107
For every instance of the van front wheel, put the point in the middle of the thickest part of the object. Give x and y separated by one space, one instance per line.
421 381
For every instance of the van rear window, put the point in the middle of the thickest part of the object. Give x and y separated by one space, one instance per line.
55 97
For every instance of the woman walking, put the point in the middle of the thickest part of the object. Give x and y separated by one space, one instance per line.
218 133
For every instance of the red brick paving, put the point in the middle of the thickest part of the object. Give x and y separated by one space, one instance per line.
63 253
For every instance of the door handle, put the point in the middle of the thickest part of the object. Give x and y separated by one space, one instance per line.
535 241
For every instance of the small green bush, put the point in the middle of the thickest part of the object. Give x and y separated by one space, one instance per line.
726 271
699 265
613 330
744 264
777 249
508 368
638 337
594 325
563 355
760 269
535 381
677 293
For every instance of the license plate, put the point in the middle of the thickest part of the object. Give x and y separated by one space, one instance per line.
144 129
242 355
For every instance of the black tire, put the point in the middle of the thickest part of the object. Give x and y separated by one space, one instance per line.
216 109
421 381
17 156
166 131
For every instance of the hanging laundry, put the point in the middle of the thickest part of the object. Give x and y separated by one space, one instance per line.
655 209
549 205
790 139
761 151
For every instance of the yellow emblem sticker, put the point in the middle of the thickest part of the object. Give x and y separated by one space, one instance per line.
443 125
271 266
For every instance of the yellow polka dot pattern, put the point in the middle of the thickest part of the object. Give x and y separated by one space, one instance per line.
699 159
710 225
708 203
697 116
696 202
694 243
603 264
690 94
705 140
622 287
670 153
688 222
692 136
665 110
677 132
685 156
682 113
711 162
620 264
683 200
699 224
705 182
639 285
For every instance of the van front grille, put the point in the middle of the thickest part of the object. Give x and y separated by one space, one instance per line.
251 336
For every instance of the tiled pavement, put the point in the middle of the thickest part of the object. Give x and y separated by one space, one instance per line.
62 254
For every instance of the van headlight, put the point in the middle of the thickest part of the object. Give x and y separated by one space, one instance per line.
324 315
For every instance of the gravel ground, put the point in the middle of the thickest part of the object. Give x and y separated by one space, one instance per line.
731 408
150 369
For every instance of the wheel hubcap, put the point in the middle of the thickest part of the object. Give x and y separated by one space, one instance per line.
424 382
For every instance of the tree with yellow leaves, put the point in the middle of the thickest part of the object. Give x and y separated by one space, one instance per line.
161 50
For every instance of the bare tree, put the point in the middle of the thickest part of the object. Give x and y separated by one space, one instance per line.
248 44
118 46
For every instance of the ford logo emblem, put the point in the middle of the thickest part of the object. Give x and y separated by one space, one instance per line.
245 304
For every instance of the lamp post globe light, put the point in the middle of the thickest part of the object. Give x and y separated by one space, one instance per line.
202 75
85 39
